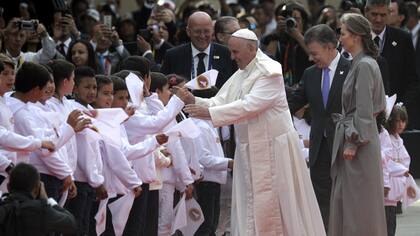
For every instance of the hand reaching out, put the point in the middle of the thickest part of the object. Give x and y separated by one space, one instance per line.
50 146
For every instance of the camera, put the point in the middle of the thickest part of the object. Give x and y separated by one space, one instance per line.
286 12
29 25
148 33
291 22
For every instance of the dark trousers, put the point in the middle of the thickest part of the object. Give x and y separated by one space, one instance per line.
321 180
80 207
152 213
208 196
136 222
53 186
391 219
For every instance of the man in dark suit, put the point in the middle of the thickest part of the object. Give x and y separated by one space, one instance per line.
397 48
321 87
201 55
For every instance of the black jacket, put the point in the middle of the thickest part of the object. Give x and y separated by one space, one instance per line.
33 216
178 60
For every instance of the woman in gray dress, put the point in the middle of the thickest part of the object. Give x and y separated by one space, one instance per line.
357 206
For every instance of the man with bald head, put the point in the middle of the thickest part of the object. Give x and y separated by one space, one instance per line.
272 191
192 59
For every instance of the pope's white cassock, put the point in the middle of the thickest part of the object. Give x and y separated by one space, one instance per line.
272 191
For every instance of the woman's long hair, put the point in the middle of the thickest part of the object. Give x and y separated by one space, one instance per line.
92 62
359 25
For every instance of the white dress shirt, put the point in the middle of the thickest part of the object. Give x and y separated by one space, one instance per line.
210 153
206 59
31 119
11 142
140 125
414 34
333 68
66 44
381 38
89 160
64 107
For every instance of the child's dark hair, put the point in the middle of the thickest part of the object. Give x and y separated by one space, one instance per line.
158 81
398 113
102 80
82 71
206 93
119 83
124 73
31 75
381 121
1 66
174 80
136 63
61 70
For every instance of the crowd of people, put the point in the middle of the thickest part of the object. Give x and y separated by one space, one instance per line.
293 135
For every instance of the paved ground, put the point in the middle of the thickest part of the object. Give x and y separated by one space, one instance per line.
408 224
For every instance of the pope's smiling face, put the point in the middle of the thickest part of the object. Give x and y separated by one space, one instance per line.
242 51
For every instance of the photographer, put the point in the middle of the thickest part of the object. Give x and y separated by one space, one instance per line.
152 42
15 36
104 38
64 31
286 43
27 210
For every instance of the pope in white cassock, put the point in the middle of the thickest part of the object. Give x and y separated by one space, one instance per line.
272 191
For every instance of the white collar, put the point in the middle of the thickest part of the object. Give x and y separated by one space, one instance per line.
103 54
381 35
14 58
415 30
66 42
334 63
195 51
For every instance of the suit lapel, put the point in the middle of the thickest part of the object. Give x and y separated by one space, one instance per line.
387 44
317 80
188 61
339 77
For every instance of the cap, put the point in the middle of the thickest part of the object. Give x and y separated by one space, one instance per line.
245 34
94 14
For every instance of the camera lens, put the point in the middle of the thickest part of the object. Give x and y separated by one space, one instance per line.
290 22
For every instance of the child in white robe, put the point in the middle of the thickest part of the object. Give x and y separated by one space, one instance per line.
88 175
178 176
119 176
216 166
400 180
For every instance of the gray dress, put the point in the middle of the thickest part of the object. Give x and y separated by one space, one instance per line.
357 205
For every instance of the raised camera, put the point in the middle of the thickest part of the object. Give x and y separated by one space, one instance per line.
29 25
286 12
291 22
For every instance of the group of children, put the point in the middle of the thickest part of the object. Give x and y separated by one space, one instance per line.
97 149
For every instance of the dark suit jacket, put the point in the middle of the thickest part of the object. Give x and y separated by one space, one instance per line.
309 91
399 53
178 60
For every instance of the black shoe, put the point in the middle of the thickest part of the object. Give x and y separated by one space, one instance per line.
399 208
